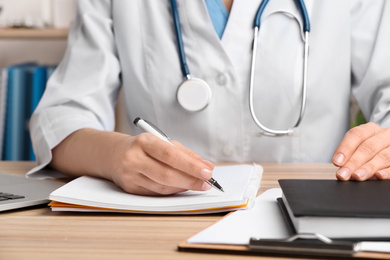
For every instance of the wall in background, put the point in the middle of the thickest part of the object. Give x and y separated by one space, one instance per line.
52 13
37 13
13 51
34 13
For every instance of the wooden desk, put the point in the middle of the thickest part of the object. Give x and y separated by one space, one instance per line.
39 233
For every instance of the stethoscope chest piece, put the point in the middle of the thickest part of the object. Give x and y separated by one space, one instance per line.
194 95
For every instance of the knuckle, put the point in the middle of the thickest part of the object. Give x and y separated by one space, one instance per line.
356 132
385 155
170 154
142 140
353 163
370 167
368 148
386 131
371 125
368 126
345 147
166 176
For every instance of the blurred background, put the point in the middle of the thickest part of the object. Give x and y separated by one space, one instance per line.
33 38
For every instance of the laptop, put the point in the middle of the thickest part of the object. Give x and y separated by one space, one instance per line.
18 192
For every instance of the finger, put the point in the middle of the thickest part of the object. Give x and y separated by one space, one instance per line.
383 174
352 140
145 186
193 154
343 156
380 161
175 157
148 176
150 187
371 156
165 176
186 150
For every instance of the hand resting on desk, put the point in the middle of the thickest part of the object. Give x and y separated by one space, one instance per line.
364 153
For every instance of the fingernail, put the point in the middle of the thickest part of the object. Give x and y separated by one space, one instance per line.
383 174
338 159
206 186
206 174
361 173
344 173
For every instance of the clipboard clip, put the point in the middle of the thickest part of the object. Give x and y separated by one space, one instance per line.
308 244
320 237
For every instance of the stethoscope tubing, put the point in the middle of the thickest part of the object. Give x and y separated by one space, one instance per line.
306 28
265 130
183 60
257 23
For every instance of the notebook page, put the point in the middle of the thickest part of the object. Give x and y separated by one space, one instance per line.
236 180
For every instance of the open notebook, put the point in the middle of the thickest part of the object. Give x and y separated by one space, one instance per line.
240 183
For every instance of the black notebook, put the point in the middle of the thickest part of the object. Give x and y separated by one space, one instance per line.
338 209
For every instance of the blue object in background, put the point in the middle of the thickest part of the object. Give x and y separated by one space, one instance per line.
37 78
16 133
25 86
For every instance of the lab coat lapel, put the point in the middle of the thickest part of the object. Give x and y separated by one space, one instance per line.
238 35
204 54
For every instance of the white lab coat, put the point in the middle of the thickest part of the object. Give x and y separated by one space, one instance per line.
132 44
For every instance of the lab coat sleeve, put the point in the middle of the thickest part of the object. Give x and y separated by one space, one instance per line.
370 58
83 90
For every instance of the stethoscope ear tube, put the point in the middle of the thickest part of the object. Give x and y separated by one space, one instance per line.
263 129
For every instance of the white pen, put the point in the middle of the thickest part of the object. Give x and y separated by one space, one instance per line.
148 127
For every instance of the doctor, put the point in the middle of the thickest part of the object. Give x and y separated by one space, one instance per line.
135 45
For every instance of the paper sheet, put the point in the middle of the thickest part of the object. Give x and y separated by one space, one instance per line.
264 220
374 246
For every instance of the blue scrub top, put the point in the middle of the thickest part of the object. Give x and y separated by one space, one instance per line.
219 15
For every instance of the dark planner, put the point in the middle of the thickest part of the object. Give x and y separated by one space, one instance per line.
338 209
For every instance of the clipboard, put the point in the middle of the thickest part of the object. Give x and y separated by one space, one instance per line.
296 248
305 245
295 245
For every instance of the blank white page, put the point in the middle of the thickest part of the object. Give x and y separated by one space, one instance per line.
240 183
264 220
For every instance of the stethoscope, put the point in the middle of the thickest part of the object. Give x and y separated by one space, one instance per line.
194 94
